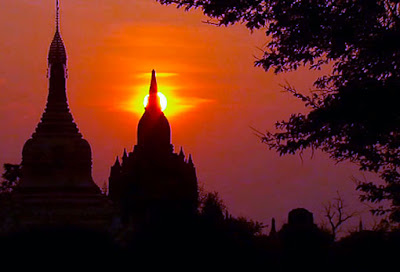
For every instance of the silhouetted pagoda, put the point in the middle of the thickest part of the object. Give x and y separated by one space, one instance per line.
56 186
152 184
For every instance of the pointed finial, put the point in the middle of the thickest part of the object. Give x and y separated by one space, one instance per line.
117 162
57 52
181 154
272 233
57 15
125 155
190 161
154 104
153 84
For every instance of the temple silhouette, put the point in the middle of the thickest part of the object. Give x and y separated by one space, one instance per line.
56 185
56 214
152 184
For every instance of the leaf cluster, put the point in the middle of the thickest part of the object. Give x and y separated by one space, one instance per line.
215 213
10 177
353 112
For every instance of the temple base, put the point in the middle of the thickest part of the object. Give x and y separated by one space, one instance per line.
62 209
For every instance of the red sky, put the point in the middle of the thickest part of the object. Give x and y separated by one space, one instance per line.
214 92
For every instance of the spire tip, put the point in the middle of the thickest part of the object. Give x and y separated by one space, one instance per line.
57 15
153 83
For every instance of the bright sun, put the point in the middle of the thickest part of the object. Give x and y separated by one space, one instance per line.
163 101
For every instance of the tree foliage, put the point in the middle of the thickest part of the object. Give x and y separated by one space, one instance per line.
10 177
212 208
213 211
353 111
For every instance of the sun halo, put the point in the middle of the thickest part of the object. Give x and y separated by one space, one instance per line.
163 101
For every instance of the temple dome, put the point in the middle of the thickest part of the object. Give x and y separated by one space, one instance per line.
154 131
57 163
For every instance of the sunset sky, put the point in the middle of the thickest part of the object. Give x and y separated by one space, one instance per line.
215 95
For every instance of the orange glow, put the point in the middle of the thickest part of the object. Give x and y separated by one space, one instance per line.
215 94
168 84
163 101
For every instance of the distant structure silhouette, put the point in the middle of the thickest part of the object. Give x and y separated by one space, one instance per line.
301 218
152 184
273 232
302 238
56 185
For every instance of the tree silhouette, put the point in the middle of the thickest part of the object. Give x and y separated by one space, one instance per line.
353 111
336 214
10 177
212 208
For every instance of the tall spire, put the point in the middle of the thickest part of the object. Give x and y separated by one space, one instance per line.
273 233
57 52
154 132
57 156
57 16
153 84
57 119
154 104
